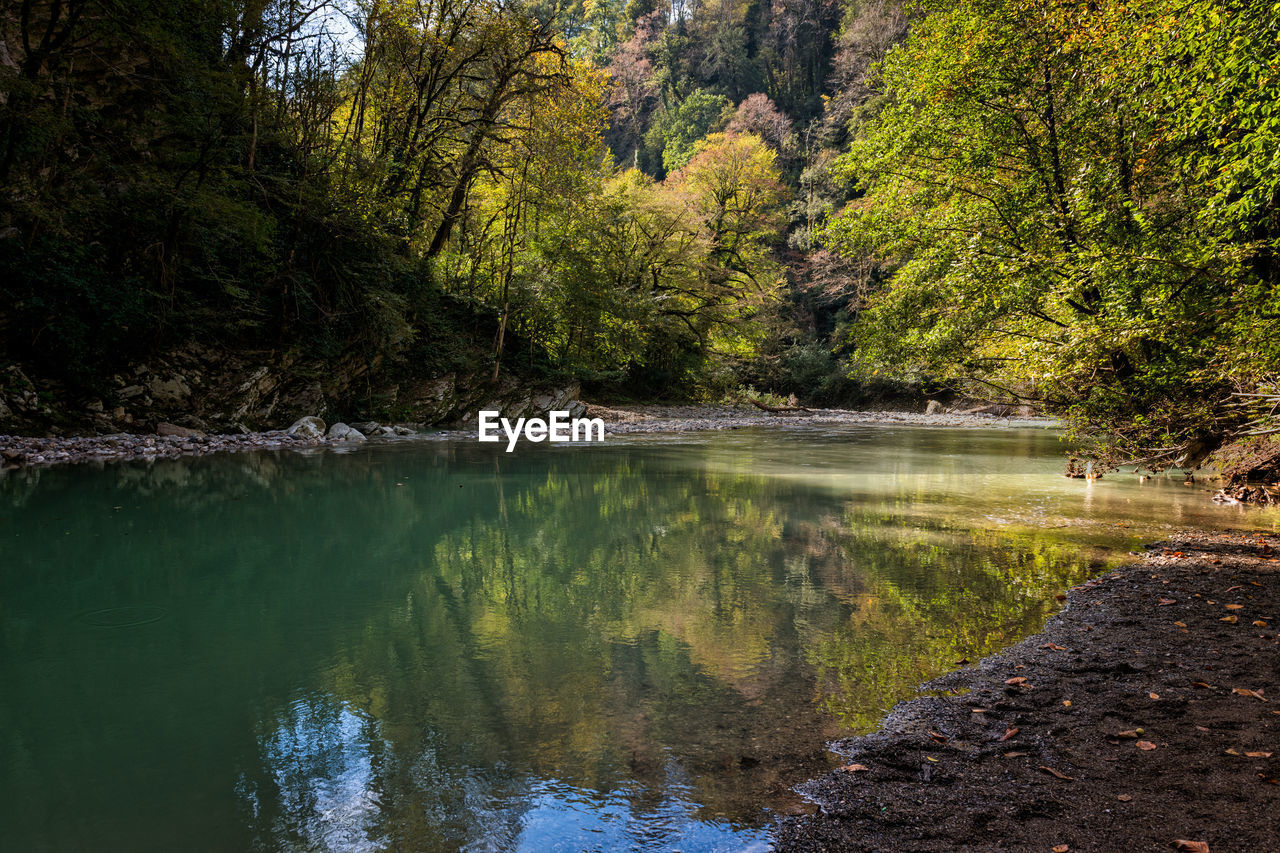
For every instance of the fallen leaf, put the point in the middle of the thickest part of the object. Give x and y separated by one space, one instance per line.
1259 623
1242 691
1234 588
1124 798
962 661
978 710
1060 848
1191 846
1257 755
1203 684
1181 624
1060 597
1231 751
1164 602
940 738
1131 733
1008 733
1201 729
1154 695
1146 745
931 758
1066 702
1054 646
855 768
1014 754
1233 606
1057 773
1233 619
1017 679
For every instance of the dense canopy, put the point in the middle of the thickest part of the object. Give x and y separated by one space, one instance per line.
1062 202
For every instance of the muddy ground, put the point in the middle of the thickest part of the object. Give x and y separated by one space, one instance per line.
1146 714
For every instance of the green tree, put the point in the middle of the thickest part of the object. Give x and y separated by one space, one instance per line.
677 132
1048 183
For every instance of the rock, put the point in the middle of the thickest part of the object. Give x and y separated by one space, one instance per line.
129 392
307 427
169 391
577 409
1197 450
5 411
934 408
342 432
385 430
366 427
403 430
179 431
95 406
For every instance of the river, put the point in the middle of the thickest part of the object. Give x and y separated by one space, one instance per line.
438 646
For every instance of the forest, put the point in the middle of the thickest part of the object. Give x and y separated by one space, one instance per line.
1064 203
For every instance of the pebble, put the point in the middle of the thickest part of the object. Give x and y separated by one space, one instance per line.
16 451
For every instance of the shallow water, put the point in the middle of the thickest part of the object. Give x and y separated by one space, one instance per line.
440 646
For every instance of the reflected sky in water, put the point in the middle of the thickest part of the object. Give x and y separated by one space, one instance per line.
437 646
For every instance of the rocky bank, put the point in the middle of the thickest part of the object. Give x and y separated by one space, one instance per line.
214 390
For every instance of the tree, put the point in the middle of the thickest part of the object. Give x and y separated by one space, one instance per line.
677 133
1047 181
731 185
759 115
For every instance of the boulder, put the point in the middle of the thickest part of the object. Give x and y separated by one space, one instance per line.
385 430
342 432
934 408
366 427
403 430
169 391
180 431
308 427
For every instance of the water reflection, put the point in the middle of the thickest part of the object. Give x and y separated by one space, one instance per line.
327 769
638 645
321 762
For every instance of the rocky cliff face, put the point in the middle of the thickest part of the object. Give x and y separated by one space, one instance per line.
221 391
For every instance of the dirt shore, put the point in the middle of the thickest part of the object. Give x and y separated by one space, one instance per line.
1146 716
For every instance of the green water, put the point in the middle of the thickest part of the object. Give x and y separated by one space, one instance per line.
439 646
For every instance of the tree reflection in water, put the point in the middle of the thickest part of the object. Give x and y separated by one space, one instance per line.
438 647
